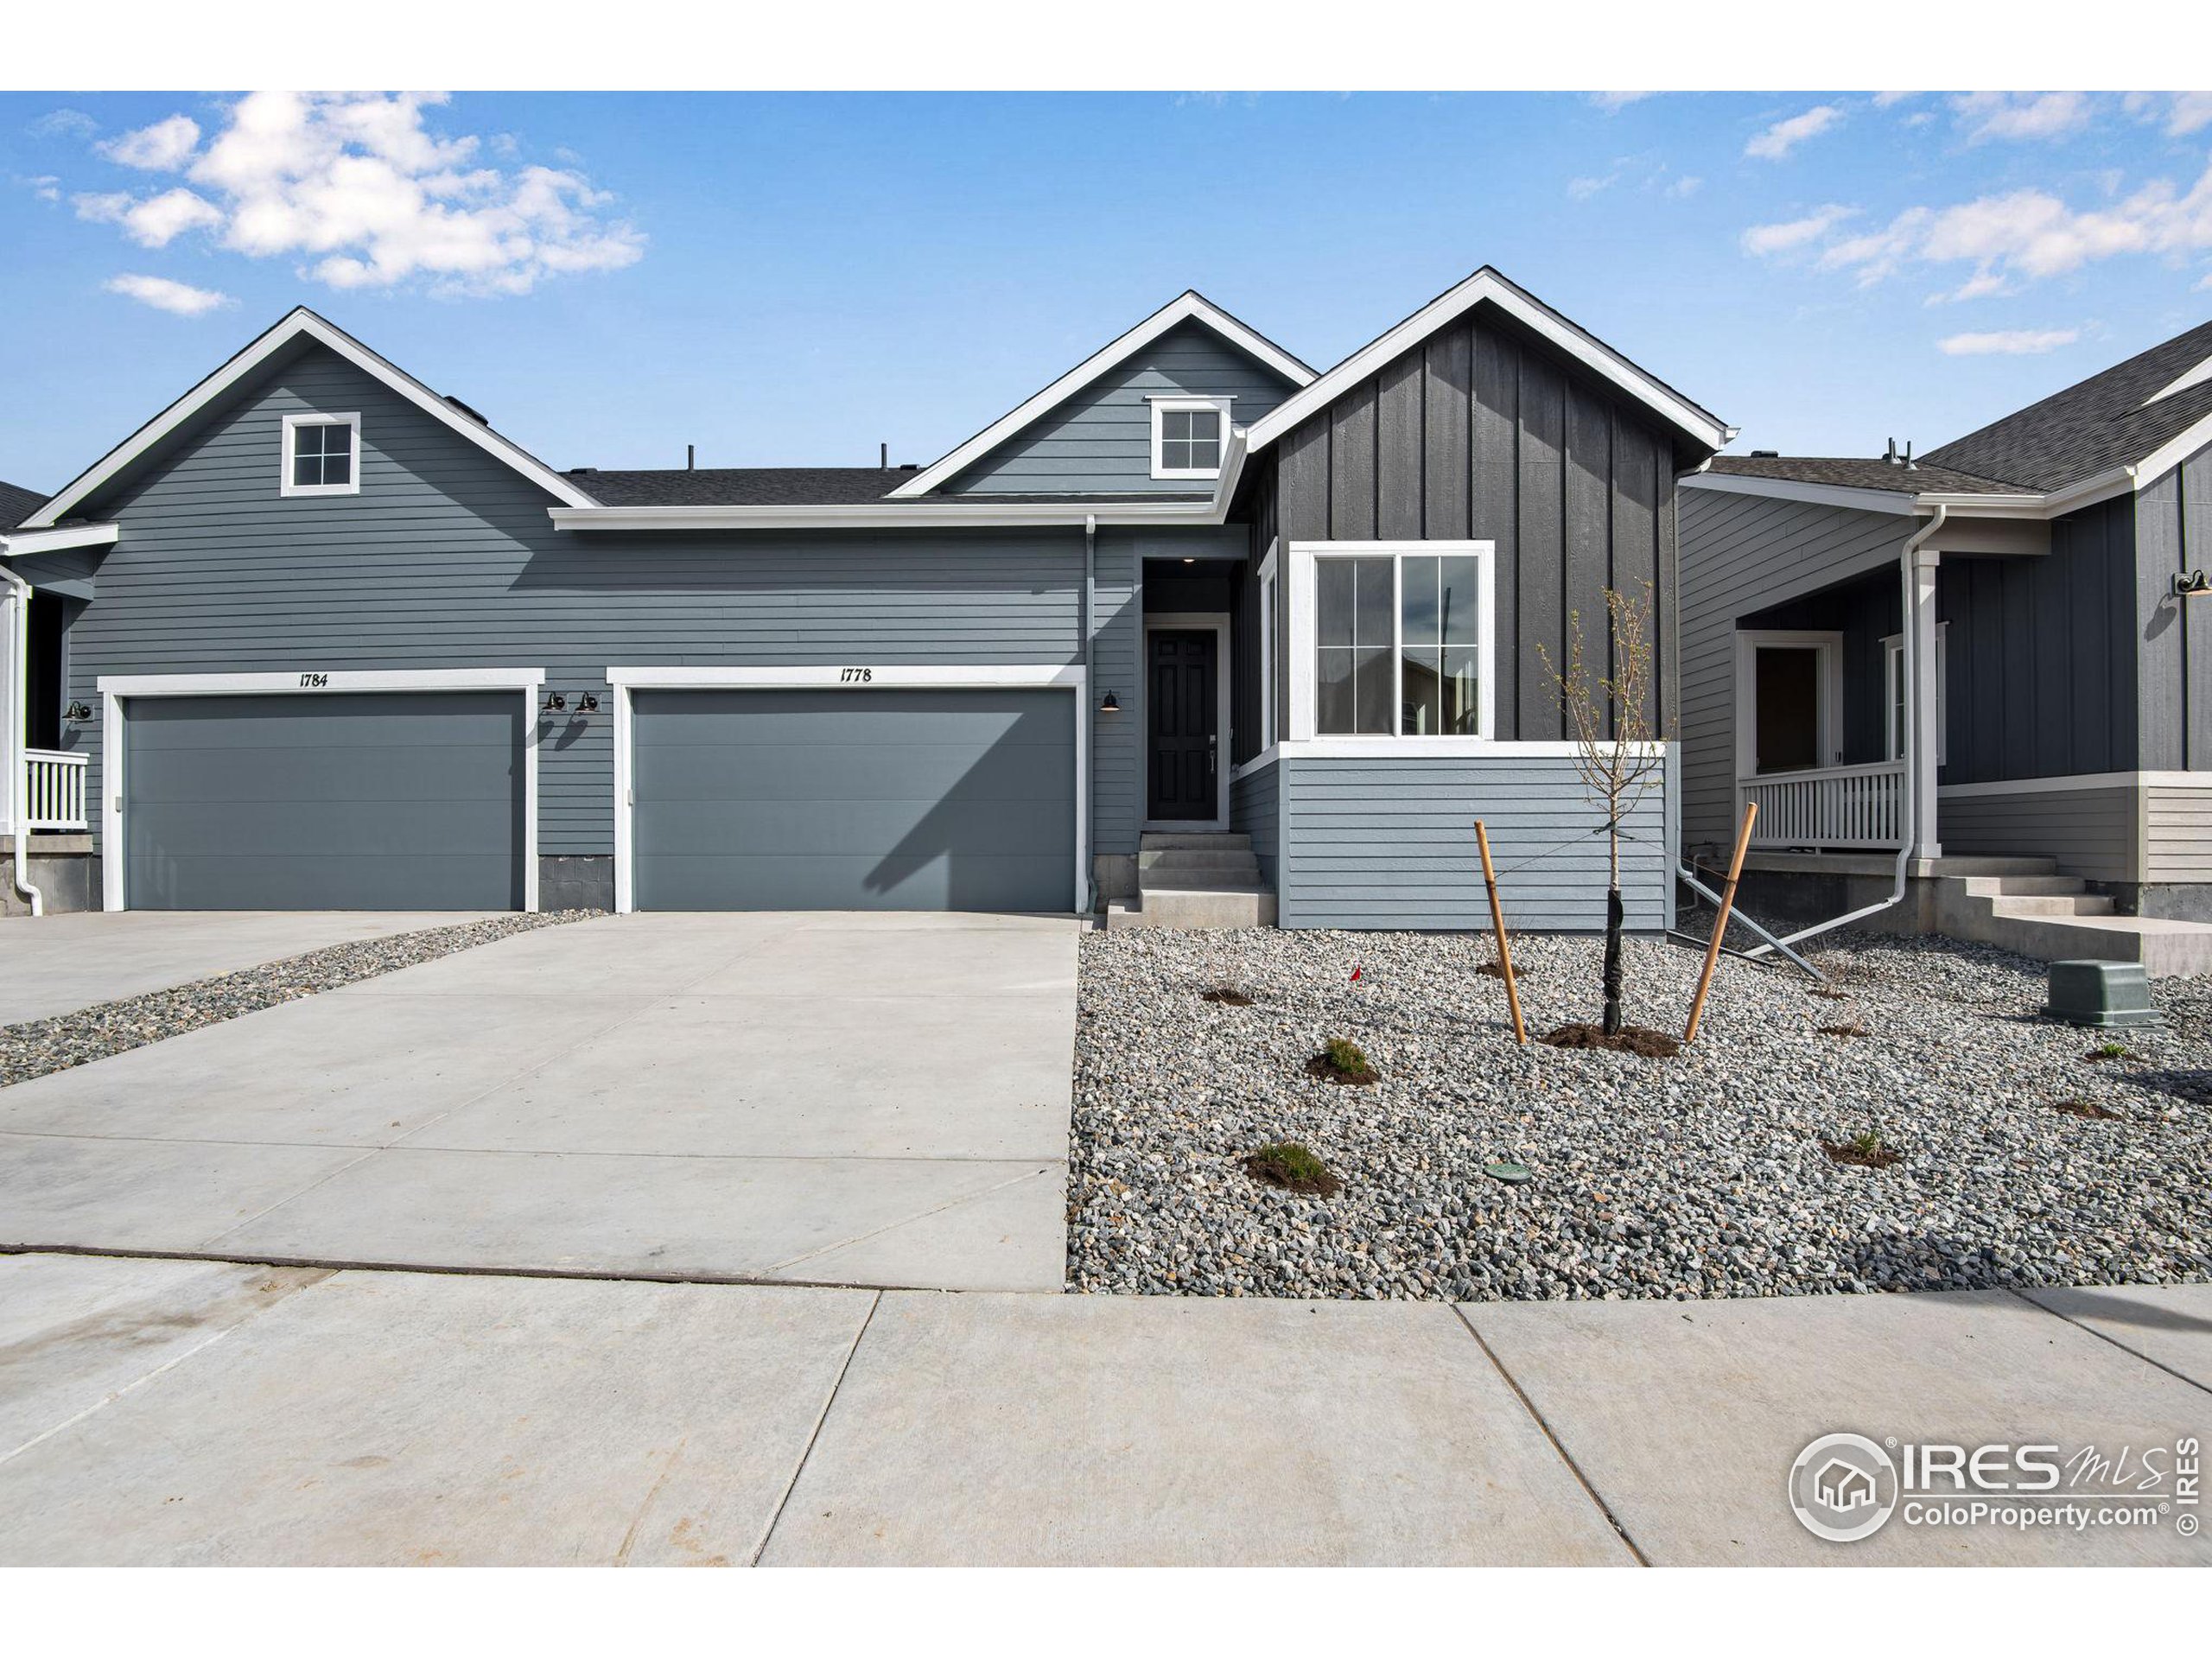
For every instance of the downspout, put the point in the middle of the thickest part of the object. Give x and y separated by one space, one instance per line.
1090 703
19 761
1911 804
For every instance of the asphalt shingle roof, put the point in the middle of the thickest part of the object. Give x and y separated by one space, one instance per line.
740 486
2093 425
17 504
1849 471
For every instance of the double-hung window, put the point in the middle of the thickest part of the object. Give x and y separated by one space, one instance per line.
1188 437
1398 640
323 455
1268 579
1894 713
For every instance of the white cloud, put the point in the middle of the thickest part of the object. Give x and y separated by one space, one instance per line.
1982 285
155 222
46 186
181 299
1987 116
363 194
1610 101
2008 342
1583 189
1685 186
64 123
2020 236
1767 241
1778 140
2189 113
1884 100
161 147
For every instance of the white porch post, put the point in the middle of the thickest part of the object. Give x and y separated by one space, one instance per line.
1921 705
11 716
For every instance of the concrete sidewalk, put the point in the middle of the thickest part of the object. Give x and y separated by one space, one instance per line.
174 1411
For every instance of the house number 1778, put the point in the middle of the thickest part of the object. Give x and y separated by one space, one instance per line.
855 676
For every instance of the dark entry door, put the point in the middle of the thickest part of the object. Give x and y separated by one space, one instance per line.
1183 711
1787 692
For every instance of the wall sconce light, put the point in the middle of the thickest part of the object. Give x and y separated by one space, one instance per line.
2190 583
1111 706
554 702
587 703
77 714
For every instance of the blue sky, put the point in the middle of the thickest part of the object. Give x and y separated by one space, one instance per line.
790 279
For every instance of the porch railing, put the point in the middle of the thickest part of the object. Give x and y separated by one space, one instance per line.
1830 808
56 794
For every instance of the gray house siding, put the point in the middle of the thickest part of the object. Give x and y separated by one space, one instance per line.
1100 439
2093 833
1255 810
1743 554
446 559
2174 685
2041 653
1391 844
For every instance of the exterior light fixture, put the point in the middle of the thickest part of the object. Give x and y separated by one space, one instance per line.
2190 583
77 714
1111 706
587 703
554 702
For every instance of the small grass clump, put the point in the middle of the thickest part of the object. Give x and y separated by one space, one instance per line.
1342 1060
2088 1109
1865 1150
2108 1052
1228 995
1292 1167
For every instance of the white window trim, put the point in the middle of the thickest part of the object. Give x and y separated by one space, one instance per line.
292 424
115 691
1305 645
1830 645
1162 404
1217 623
627 680
1270 599
1892 665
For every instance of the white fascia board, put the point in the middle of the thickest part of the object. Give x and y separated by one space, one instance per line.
22 543
2170 455
319 681
2195 377
1434 748
302 321
1965 505
880 677
1487 284
1184 307
1790 489
934 515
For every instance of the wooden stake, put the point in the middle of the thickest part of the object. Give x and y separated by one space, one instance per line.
1727 904
1504 951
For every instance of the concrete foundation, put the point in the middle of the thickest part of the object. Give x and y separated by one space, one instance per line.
63 867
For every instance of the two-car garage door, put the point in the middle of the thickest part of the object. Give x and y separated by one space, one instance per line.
410 800
860 798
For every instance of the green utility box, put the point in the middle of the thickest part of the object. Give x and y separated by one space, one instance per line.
2101 994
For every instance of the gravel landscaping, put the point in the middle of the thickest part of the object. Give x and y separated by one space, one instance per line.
1704 1175
38 1046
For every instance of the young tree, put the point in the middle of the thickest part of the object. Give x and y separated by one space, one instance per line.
1617 747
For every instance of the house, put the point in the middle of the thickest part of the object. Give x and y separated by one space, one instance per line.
1844 1486
1194 633
1976 679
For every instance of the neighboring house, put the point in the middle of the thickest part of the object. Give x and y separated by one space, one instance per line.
337 642
1989 659
46 795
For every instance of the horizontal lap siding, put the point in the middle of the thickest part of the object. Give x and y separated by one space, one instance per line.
2177 834
1100 439
1254 811
1390 843
2091 832
1742 554
446 559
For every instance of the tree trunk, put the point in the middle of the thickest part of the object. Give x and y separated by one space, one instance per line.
1614 918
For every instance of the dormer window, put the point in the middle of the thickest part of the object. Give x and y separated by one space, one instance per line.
323 455
1189 436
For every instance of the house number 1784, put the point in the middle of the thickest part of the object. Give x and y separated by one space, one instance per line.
313 682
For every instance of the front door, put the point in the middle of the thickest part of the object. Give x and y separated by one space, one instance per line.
1183 713
1790 721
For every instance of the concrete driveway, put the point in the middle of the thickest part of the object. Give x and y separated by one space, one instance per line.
59 964
845 1099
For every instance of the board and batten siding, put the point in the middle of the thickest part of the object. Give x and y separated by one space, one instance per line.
1741 555
1100 438
2173 529
446 559
1390 843
1480 433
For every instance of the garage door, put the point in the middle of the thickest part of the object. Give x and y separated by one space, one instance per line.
338 801
875 799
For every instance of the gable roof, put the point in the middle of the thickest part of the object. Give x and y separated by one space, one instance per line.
1701 425
1853 473
301 323
739 486
2121 418
17 504
1189 306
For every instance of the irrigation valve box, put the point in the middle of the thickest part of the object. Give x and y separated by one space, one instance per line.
2101 994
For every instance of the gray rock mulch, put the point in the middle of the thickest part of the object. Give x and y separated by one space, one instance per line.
54 1044
1704 1175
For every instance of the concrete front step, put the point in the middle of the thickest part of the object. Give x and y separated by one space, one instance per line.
2054 903
1969 864
2013 886
1192 858
1196 842
1196 908
2054 920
